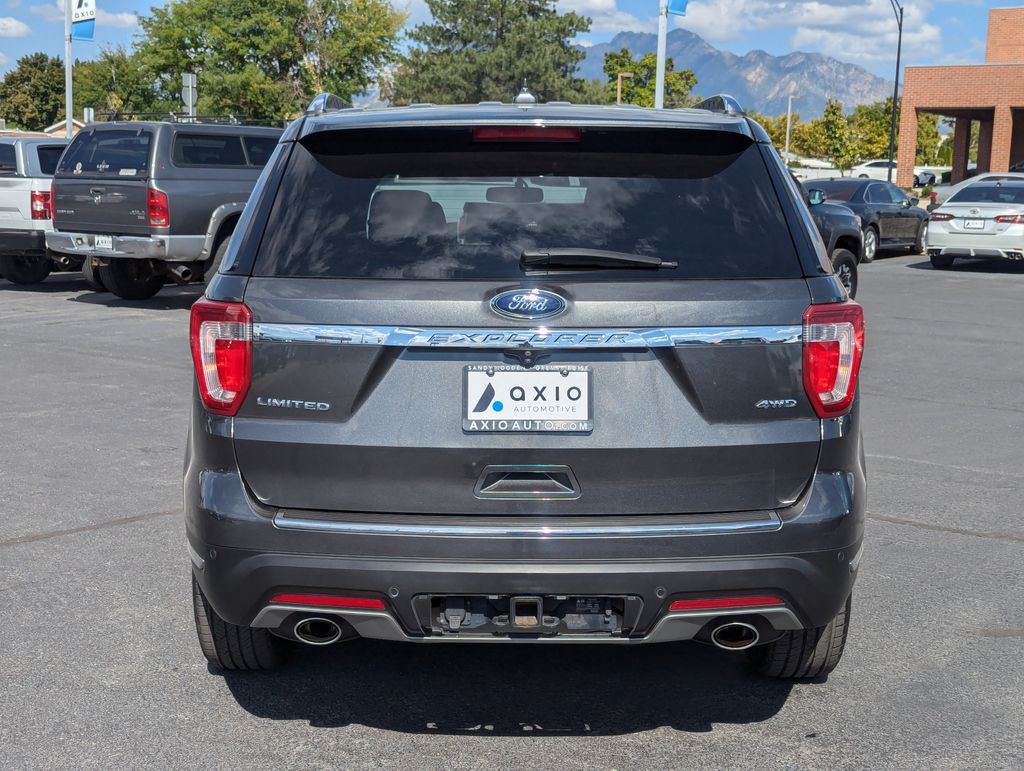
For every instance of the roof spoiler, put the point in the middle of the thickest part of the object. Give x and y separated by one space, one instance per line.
325 103
721 103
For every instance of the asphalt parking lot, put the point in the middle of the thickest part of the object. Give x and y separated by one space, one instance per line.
99 666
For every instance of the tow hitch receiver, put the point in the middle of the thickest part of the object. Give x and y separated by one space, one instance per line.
515 616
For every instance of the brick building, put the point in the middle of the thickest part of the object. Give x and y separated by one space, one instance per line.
991 93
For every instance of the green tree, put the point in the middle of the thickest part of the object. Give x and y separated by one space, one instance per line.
928 139
869 130
639 89
267 58
32 94
839 145
116 82
475 50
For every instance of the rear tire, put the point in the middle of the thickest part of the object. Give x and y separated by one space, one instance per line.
131 279
844 263
229 646
218 258
803 654
942 261
870 244
25 270
92 276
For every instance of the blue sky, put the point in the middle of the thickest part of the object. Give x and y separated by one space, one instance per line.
861 31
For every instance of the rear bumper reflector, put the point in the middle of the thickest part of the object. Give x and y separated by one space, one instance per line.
721 603
329 601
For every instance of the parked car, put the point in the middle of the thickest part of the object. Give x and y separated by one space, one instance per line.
841 230
944 192
985 219
26 170
145 202
879 169
890 220
465 408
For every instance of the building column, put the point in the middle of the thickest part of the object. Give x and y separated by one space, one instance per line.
961 149
1017 144
985 128
1002 136
907 149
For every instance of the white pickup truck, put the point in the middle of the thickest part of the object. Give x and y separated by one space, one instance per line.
27 164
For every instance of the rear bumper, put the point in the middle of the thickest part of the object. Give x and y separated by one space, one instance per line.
167 248
23 242
243 554
988 247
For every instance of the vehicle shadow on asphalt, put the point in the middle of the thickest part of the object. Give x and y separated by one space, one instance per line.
511 690
968 265
170 298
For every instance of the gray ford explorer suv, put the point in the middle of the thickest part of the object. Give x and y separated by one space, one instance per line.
531 373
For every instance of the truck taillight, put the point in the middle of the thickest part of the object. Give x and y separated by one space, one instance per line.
42 206
833 346
221 341
159 214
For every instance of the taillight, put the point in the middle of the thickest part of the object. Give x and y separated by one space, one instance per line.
159 214
940 216
1011 219
526 134
833 345
221 340
42 206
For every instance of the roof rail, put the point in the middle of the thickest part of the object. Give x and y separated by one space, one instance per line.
326 102
720 103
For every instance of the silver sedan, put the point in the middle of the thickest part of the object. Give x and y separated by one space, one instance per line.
984 220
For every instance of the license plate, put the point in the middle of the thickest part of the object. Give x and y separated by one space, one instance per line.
506 398
103 242
974 224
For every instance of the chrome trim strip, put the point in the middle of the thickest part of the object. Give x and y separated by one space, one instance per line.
537 337
770 522
381 625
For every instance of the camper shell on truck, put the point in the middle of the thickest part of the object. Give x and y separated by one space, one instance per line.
149 201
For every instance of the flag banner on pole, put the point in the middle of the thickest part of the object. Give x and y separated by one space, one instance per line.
83 19
678 7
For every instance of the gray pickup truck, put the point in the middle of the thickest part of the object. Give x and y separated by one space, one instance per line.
147 202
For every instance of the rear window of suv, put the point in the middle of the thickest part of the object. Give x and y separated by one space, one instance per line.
435 204
108 153
48 156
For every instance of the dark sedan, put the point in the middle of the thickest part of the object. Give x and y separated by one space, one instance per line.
890 219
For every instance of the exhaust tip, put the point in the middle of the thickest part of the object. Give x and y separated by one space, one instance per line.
318 631
735 636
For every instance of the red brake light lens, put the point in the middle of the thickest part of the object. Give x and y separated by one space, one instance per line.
1011 219
329 601
940 216
221 341
721 603
42 206
833 345
159 213
526 134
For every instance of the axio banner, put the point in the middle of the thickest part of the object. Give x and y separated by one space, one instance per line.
83 19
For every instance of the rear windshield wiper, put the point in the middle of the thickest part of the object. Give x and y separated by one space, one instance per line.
571 257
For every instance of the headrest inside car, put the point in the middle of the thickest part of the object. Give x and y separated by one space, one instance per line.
515 194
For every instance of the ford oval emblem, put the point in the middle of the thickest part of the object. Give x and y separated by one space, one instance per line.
528 304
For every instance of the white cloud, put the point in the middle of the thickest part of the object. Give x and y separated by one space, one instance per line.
11 27
3 58
54 12
605 15
125 20
862 31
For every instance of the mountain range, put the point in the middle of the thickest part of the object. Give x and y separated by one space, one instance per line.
759 81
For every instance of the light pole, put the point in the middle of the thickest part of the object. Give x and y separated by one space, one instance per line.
659 77
618 87
789 120
897 10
